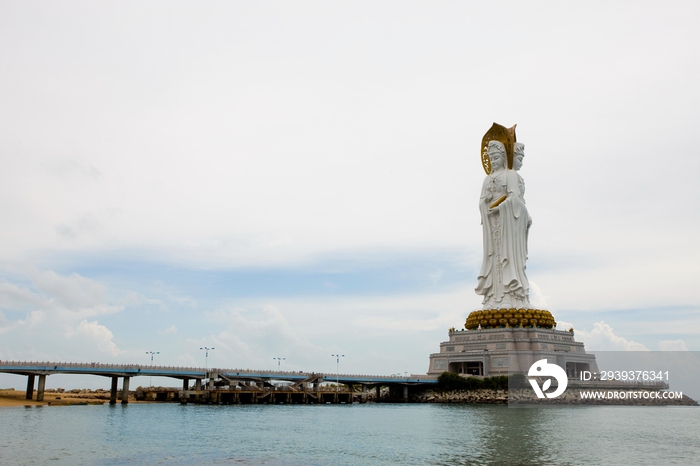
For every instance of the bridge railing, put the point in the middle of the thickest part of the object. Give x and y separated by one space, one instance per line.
42 365
96 365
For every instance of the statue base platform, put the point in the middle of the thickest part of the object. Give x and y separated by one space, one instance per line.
499 351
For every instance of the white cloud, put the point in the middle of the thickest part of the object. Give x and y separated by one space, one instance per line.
436 276
537 298
172 330
673 345
96 336
250 334
402 324
34 318
169 295
187 360
183 300
375 332
310 202
87 223
603 338
69 291
5 325
68 295
61 302
15 297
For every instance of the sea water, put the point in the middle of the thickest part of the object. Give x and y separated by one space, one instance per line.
359 434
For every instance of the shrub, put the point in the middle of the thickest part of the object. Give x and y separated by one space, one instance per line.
518 380
497 382
451 381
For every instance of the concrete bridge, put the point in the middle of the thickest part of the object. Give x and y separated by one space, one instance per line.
41 370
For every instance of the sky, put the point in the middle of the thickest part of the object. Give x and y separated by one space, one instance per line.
300 179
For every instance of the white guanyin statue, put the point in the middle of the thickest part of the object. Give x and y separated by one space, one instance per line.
505 224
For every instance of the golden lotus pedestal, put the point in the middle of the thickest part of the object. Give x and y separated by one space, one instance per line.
506 318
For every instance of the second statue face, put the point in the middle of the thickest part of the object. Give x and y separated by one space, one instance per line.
519 156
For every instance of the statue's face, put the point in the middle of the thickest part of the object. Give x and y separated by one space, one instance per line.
518 161
497 159
518 156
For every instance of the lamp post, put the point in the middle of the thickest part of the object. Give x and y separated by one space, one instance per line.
337 363
150 379
206 359
279 361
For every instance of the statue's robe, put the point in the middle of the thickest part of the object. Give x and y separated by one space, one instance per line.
502 280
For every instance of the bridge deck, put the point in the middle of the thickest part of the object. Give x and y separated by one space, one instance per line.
134 370
41 370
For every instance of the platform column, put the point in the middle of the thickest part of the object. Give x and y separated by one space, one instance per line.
125 390
113 391
40 389
561 361
30 387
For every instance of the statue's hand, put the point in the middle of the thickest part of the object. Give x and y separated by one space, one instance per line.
494 210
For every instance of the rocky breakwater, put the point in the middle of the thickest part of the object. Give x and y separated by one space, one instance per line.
481 396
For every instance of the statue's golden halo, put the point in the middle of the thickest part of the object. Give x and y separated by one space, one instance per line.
498 133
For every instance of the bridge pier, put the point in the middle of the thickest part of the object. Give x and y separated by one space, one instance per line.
405 393
185 384
379 392
30 387
364 393
40 389
113 391
198 387
125 391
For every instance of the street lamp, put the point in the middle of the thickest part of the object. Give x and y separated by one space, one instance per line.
150 379
279 361
206 359
337 363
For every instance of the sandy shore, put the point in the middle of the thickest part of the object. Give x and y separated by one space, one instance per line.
17 398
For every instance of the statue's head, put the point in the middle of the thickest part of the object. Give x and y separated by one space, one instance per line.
497 155
518 155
